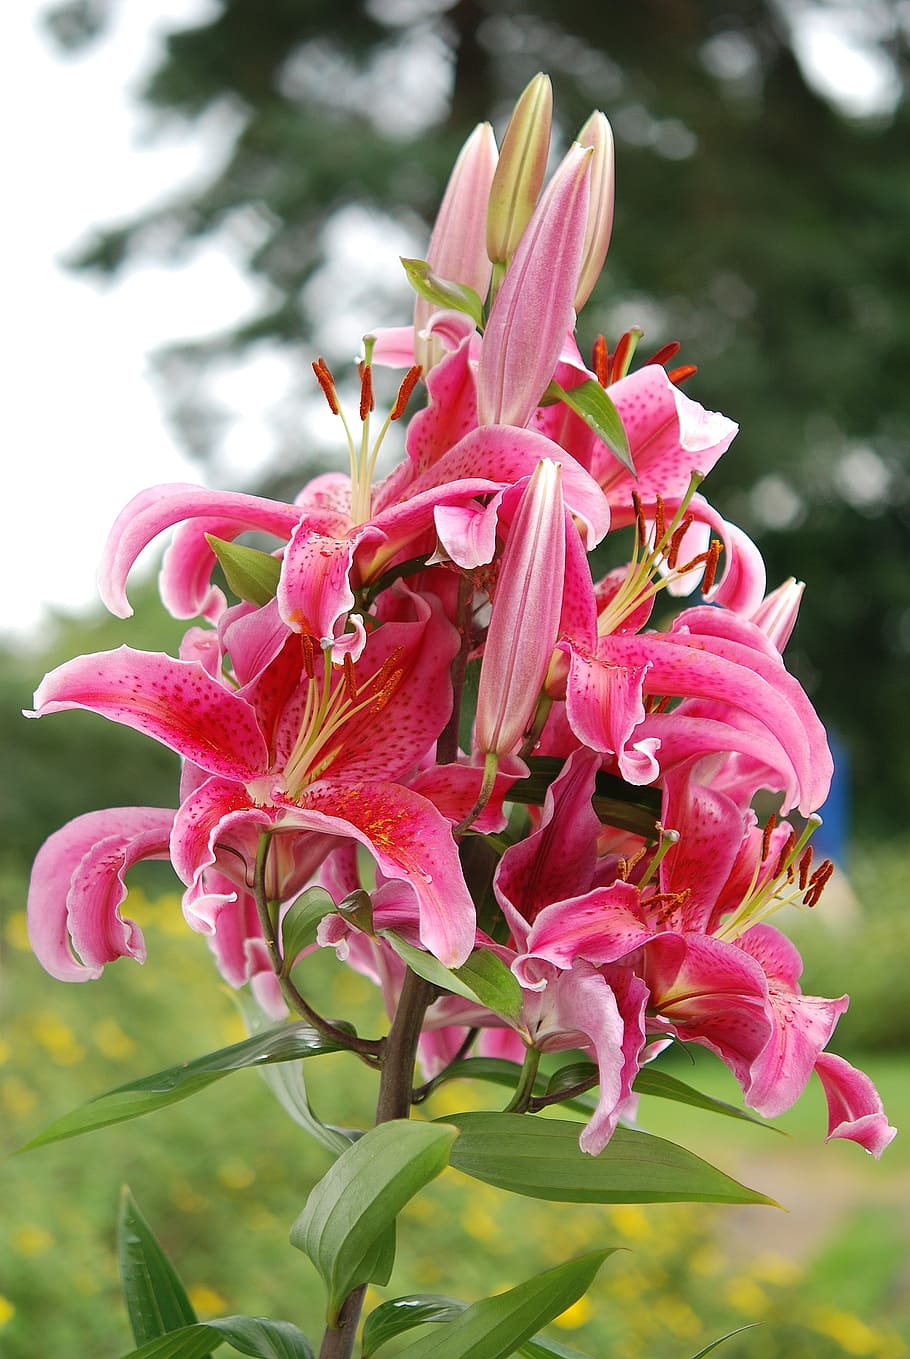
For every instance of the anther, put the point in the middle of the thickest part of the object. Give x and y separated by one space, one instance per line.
308 646
327 383
682 374
660 520
409 382
639 518
817 882
805 864
783 857
350 684
711 559
766 836
600 359
676 541
366 389
666 352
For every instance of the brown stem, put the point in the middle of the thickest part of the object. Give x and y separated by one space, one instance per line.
395 1084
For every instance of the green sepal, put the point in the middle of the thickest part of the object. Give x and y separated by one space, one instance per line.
484 978
286 1043
251 574
442 292
590 401
156 1300
301 921
497 1327
541 1158
345 1227
257 1336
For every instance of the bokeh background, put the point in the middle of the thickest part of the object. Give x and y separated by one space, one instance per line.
206 193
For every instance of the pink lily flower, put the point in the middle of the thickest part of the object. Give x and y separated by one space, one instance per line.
299 754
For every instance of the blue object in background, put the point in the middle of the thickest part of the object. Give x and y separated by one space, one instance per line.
831 839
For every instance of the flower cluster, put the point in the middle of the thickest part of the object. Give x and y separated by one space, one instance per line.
425 703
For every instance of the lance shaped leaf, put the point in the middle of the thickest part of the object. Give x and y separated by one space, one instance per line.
156 1300
257 1336
287 1043
497 1327
484 978
541 1158
442 292
589 401
346 1225
420 1309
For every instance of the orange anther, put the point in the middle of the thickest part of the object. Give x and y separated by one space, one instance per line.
409 382
327 383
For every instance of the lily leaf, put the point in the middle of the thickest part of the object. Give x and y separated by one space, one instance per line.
484 978
651 1081
442 292
299 926
156 1300
257 1336
251 574
541 1158
346 1225
403 1314
590 401
497 1327
286 1043
729 1336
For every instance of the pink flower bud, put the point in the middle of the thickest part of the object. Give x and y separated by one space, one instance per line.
597 134
525 616
776 614
533 311
457 249
521 169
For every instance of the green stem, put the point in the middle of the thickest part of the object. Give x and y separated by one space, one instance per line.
524 1091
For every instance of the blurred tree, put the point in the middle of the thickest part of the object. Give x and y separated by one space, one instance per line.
760 222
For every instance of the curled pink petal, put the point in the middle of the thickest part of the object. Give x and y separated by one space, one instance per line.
77 888
855 1109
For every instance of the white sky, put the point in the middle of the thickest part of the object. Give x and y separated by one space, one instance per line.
83 430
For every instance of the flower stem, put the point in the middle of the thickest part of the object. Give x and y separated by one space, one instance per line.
524 1091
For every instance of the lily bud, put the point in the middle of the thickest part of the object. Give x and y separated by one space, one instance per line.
776 614
521 169
457 249
525 617
533 311
597 134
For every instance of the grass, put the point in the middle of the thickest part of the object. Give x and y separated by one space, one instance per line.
222 1176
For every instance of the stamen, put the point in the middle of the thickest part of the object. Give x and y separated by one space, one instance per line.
639 518
327 383
818 881
766 836
805 864
680 375
600 360
711 559
676 540
624 352
409 382
626 865
309 646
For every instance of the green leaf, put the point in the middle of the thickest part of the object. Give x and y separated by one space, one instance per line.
468 710
286 1043
251 574
256 1336
714 1343
541 1158
497 1327
357 1201
403 1314
541 1347
442 292
492 982
495 1069
156 1300
651 1081
591 402
301 921
483 979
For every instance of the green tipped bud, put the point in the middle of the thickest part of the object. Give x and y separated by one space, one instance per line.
597 134
521 169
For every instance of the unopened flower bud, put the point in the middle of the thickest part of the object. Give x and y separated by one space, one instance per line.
521 169
533 311
776 614
525 617
597 134
457 249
